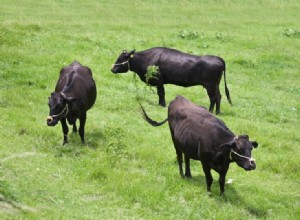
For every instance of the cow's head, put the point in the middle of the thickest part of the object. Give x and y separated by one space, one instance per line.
240 151
122 63
59 107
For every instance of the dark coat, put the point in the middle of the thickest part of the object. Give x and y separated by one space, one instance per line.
197 134
75 93
178 68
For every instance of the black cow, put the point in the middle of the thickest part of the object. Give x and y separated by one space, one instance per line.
199 135
75 93
178 68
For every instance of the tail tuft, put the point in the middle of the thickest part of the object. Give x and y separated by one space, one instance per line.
226 89
228 95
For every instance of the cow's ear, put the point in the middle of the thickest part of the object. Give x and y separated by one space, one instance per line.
254 144
71 99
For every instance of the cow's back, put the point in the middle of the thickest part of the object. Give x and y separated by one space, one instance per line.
77 81
192 124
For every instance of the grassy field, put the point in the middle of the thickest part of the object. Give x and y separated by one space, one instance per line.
128 169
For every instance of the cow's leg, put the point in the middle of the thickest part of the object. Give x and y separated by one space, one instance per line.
178 152
74 127
222 184
208 176
82 120
218 99
65 130
212 97
187 166
161 95
222 176
179 160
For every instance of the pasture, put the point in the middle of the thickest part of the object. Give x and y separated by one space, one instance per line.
127 169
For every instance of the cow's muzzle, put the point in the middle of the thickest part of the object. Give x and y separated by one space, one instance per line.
120 67
250 166
51 121
248 162
113 70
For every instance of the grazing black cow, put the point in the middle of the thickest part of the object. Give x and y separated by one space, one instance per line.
178 68
199 135
75 93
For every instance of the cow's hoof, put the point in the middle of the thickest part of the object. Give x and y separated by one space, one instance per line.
223 196
162 104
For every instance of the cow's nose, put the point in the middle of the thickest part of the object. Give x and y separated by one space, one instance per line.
113 69
252 165
49 120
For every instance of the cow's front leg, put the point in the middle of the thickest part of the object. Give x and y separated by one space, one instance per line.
161 95
65 130
208 176
222 176
74 127
82 120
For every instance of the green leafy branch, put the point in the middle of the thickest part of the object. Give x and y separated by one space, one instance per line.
152 73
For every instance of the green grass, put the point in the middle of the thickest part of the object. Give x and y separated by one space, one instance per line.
127 169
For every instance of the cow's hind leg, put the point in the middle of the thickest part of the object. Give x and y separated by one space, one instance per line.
161 95
178 152
187 167
218 99
212 98
81 126
179 161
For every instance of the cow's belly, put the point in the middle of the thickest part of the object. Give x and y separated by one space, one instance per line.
183 78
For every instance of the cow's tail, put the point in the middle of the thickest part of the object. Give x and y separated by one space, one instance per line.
150 121
226 89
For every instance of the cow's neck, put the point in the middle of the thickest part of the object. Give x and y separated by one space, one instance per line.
137 65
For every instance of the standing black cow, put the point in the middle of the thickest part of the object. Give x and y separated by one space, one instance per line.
75 93
199 135
178 68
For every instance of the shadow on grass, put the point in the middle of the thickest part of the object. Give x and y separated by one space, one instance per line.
95 138
254 210
231 196
75 148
